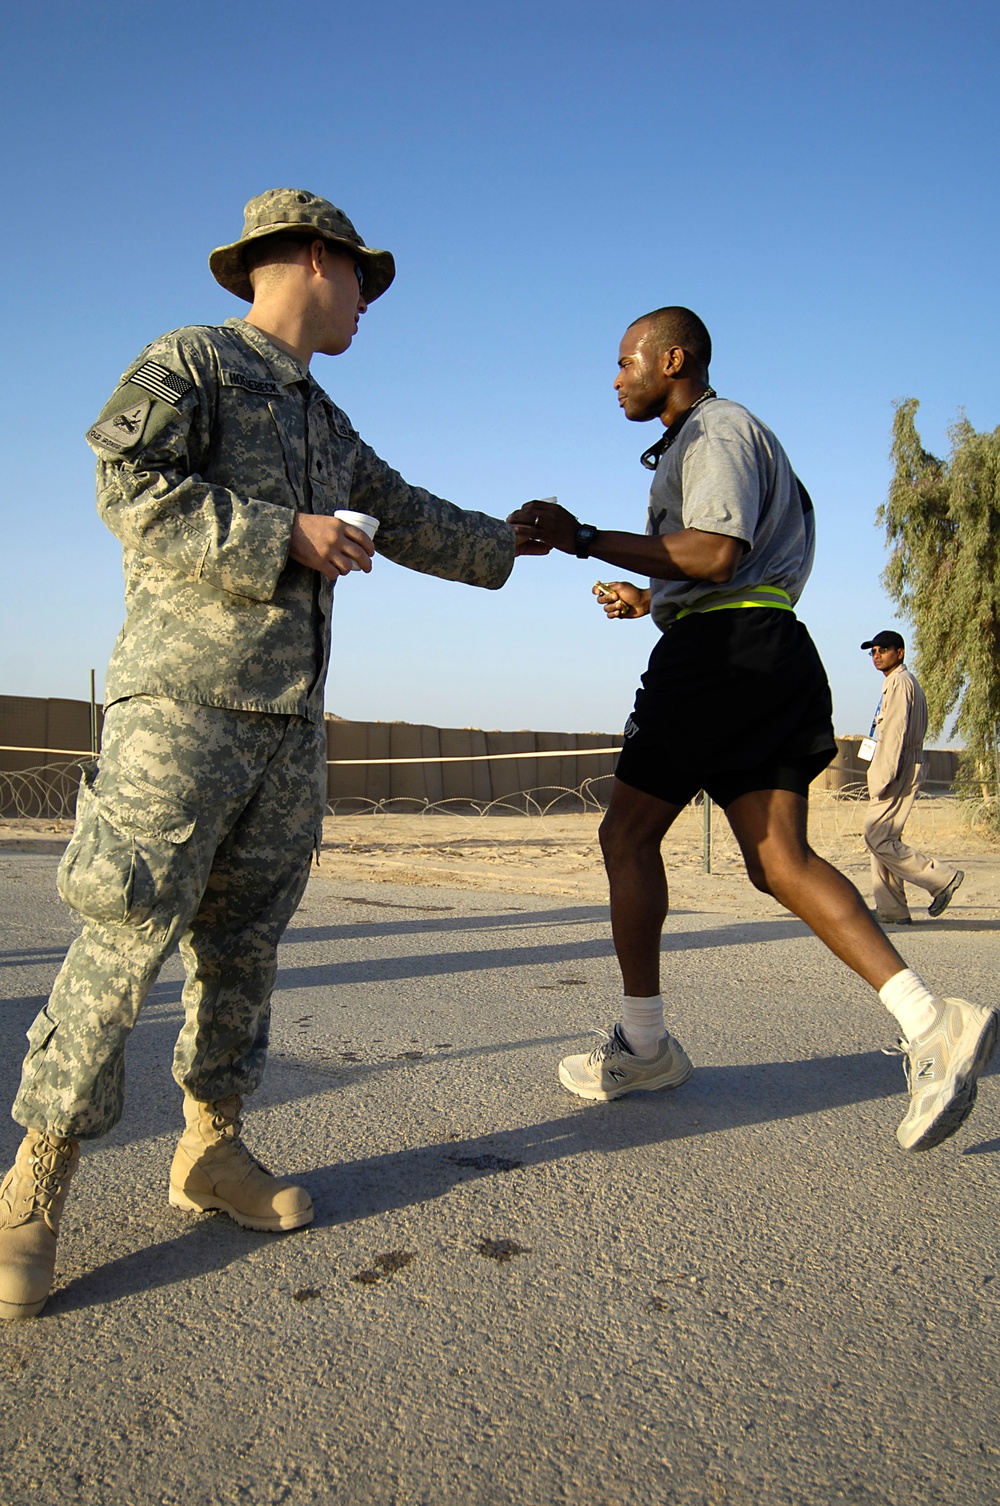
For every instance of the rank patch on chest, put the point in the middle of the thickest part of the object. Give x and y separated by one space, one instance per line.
122 431
161 382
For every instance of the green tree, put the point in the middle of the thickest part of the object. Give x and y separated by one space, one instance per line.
942 523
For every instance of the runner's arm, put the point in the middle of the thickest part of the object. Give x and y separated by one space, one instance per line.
689 554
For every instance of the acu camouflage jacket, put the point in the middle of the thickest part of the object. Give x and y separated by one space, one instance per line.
210 444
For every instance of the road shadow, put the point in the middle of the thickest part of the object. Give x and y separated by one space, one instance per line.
949 923
438 922
716 1099
210 1244
32 957
545 953
984 1148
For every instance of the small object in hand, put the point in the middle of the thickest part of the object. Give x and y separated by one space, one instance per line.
361 520
606 590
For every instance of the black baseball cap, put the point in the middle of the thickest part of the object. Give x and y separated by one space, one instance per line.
888 639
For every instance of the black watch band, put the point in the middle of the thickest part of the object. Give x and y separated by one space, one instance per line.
586 533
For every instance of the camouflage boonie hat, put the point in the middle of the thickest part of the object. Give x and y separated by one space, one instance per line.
281 211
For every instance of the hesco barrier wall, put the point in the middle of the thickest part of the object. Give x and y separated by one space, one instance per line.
55 737
481 782
848 773
43 783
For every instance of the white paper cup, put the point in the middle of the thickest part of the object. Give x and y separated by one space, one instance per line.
360 520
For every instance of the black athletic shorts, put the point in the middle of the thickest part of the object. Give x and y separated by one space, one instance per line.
732 701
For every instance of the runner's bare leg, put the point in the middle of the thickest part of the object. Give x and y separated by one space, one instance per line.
770 826
631 834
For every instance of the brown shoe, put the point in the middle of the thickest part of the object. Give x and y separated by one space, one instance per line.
31 1202
212 1169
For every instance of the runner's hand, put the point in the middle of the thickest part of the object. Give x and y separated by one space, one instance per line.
542 526
620 599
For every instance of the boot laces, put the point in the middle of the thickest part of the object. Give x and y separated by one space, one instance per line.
48 1171
230 1127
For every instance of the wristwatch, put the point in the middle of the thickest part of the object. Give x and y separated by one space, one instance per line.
586 533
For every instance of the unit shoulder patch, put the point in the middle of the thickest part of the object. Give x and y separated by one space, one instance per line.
122 431
250 384
161 382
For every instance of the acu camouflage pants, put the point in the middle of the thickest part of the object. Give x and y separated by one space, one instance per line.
196 829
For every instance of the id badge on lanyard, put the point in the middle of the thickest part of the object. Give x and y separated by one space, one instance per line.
867 745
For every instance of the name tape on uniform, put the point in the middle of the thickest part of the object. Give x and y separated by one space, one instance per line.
251 384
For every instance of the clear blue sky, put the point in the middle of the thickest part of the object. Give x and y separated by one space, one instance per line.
818 182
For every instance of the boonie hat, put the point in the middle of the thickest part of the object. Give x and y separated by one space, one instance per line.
283 211
888 639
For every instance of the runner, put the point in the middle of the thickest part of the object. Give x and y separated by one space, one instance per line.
735 701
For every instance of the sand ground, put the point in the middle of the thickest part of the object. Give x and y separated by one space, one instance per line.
559 855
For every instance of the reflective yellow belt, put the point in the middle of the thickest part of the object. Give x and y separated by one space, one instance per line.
753 596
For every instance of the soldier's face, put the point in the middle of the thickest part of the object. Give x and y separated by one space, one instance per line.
641 385
339 303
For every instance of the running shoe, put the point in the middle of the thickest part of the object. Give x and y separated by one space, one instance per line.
612 1069
941 1068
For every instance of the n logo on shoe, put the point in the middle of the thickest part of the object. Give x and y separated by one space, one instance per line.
617 1074
926 1067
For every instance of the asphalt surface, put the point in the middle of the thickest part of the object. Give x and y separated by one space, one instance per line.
738 1292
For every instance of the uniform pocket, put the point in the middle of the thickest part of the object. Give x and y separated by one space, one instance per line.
332 453
119 863
40 1032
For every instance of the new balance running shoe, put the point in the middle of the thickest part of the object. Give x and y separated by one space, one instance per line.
942 1067
612 1069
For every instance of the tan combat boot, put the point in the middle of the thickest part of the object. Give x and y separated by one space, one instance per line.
212 1168
31 1201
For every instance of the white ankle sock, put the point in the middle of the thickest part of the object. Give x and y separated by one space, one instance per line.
907 997
642 1023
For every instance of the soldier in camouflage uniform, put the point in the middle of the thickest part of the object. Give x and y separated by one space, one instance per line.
221 462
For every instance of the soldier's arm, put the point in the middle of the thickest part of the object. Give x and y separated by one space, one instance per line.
151 440
426 533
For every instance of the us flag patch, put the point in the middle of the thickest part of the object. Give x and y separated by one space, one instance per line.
161 382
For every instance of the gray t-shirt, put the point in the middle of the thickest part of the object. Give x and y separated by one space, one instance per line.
726 473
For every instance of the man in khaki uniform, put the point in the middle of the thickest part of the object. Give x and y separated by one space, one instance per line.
221 467
895 774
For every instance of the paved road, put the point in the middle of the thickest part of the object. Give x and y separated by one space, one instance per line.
740 1292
